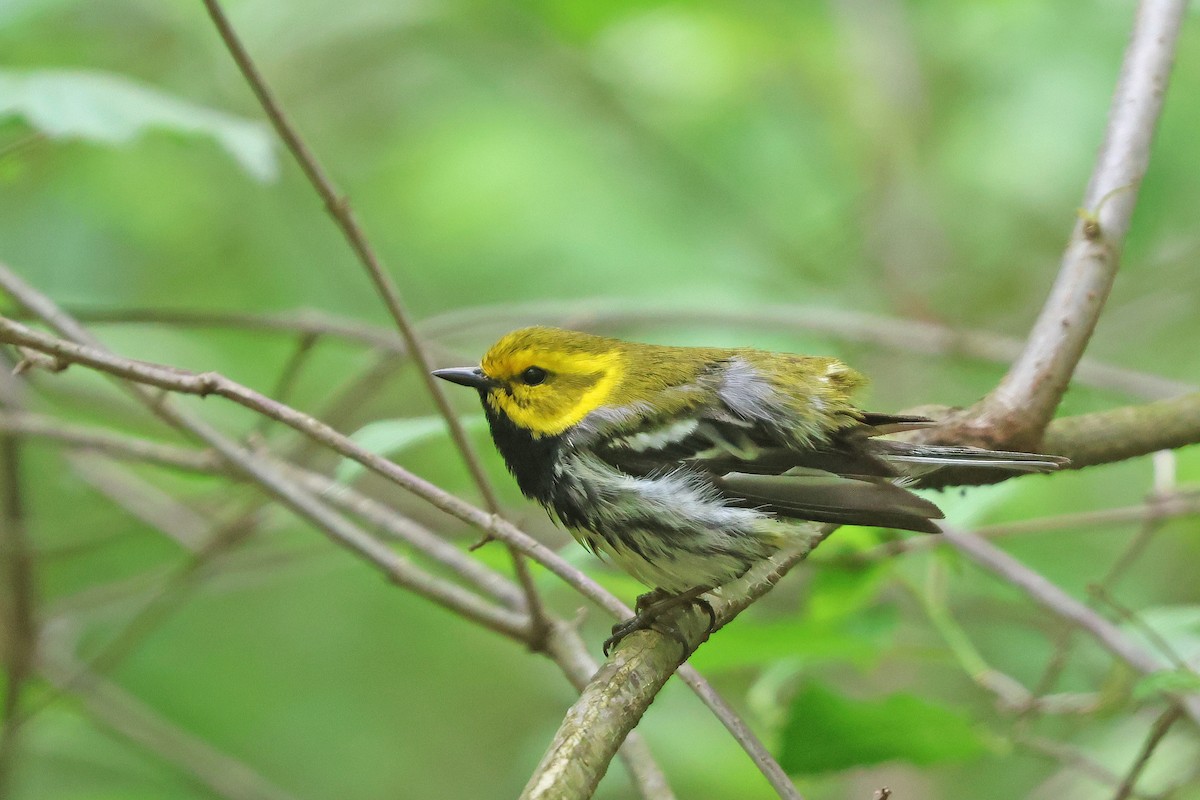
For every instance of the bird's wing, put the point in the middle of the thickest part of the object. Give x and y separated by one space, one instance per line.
837 480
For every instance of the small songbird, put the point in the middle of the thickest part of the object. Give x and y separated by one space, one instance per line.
687 465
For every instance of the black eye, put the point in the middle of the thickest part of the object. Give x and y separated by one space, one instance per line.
533 376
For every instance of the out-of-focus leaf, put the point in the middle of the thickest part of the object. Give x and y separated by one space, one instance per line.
1168 680
388 436
859 640
826 731
112 109
839 591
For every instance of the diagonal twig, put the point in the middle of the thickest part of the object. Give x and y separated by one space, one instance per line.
343 215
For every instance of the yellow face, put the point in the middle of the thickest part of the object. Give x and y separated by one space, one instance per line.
551 379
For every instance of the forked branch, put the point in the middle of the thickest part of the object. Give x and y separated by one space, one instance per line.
1015 414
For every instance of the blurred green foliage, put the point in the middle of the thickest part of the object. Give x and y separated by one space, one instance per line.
541 161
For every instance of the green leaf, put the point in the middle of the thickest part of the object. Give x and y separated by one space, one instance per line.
112 109
389 436
826 731
1168 680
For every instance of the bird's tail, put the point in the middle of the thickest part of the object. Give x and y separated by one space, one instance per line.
918 459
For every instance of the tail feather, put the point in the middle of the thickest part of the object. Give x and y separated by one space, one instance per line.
924 458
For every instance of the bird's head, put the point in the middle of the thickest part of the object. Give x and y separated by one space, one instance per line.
545 380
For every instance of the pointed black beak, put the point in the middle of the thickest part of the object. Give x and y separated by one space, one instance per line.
466 376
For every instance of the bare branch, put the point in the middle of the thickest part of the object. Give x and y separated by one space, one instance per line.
1121 433
1062 605
741 733
1088 440
568 651
240 460
619 694
20 598
890 333
608 708
1017 411
113 444
338 206
1161 507
646 776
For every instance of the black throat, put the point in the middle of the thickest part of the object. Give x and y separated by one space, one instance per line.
530 460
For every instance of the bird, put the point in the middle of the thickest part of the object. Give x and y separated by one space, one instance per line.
686 466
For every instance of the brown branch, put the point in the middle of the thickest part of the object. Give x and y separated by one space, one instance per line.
619 694
18 605
648 778
240 460
1016 412
215 384
112 444
1121 433
890 333
1088 440
344 497
339 208
210 383
570 658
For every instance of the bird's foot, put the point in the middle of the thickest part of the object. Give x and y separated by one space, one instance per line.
651 606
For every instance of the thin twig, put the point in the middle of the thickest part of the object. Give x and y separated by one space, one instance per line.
16 562
158 509
890 333
619 694
240 460
1062 605
741 733
348 499
649 781
204 384
339 208
1182 503
1071 757
1017 411
1158 731
210 383
113 444
1143 424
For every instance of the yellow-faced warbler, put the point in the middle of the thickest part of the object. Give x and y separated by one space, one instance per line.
686 465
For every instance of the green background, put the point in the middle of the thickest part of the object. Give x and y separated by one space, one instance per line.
748 166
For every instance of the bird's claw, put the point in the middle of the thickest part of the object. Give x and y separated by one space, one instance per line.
650 607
